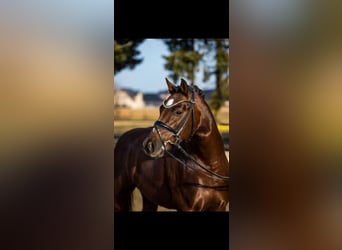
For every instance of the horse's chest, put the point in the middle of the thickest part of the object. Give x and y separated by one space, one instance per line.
203 199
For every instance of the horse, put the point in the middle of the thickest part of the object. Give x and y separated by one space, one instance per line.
179 162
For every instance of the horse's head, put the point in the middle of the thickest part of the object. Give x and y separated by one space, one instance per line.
176 122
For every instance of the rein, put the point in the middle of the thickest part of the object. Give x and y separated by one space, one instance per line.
176 134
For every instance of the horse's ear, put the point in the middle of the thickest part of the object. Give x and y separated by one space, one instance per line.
184 87
171 86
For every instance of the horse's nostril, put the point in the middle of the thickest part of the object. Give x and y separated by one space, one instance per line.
150 146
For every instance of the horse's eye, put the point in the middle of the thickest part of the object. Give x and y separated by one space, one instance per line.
178 112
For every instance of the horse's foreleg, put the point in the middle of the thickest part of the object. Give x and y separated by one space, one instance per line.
148 205
122 196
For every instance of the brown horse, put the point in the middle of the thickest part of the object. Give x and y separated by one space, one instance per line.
179 163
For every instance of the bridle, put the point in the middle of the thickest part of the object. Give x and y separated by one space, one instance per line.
177 132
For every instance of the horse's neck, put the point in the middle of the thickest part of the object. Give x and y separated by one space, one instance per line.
207 143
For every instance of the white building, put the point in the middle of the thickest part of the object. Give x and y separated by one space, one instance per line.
127 98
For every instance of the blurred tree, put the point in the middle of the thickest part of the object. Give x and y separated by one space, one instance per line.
218 50
126 54
186 56
183 60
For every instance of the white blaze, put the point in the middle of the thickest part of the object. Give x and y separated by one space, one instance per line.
170 102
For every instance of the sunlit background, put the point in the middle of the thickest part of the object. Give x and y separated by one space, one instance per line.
286 104
56 124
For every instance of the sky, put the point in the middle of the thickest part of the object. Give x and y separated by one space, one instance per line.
149 76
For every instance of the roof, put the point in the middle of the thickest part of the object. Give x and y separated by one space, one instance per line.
130 92
149 97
